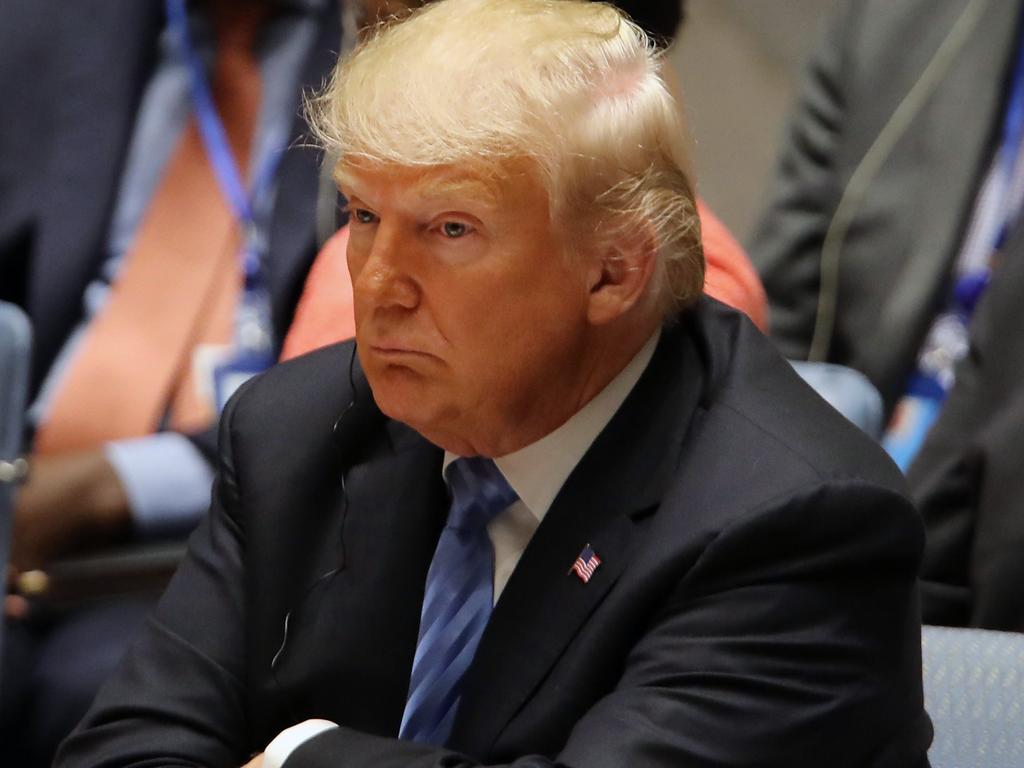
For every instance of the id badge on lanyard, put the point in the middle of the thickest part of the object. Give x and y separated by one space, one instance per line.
252 349
948 339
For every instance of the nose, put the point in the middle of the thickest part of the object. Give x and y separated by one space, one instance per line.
385 279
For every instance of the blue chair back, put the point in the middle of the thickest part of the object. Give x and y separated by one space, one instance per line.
974 693
15 346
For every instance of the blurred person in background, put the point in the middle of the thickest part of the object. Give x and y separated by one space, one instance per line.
157 219
893 244
968 478
900 176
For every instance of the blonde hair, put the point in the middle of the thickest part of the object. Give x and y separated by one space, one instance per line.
573 86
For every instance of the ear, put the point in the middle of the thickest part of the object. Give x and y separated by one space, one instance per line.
619 277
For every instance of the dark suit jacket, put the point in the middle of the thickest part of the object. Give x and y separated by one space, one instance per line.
756 601
71 78
906 230
968 477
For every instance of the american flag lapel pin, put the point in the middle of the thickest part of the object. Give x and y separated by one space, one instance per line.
586 563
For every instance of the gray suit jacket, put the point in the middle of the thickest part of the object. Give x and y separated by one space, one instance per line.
907 226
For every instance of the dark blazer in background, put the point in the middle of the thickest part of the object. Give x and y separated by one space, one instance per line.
71 78
905 236
756 601
969 476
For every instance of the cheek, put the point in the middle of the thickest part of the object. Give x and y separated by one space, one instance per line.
535 307
507 350
356 254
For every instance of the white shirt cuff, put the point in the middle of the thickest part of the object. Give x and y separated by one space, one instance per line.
290 739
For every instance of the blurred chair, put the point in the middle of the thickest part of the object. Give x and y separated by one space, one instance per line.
15 342
974 693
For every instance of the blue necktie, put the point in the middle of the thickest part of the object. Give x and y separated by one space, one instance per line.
457 602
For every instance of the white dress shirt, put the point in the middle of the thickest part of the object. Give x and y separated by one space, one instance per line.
536 473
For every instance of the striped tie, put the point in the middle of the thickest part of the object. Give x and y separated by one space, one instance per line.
458 600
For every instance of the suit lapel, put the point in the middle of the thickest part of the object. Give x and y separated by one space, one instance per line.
396 510
955 133
392 508
107 49
621 478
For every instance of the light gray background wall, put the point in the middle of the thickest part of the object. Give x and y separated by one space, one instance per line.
739 62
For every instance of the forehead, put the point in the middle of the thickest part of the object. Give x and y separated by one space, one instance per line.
494 185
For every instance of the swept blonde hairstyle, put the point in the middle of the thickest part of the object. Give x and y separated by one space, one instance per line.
573 86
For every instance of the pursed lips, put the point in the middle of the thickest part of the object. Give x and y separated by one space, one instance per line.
392 349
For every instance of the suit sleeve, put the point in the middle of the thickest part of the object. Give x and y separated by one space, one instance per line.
786 246
796 633
206 443
186 661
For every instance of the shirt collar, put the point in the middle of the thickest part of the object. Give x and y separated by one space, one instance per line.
538 471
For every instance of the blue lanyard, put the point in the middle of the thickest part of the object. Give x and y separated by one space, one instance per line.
1013 125
219 153
969 288
1013 130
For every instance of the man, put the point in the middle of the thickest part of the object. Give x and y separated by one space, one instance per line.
660 548
895 187
117 238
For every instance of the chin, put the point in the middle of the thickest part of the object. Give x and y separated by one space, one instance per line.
422 411
401 396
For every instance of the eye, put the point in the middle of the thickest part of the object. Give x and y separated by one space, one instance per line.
454 229
364 216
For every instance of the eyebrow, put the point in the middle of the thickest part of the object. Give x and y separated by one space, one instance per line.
432 187
475 189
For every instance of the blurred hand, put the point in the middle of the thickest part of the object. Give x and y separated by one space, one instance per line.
70 503
256 762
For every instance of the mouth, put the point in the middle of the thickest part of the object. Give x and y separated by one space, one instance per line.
397 351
